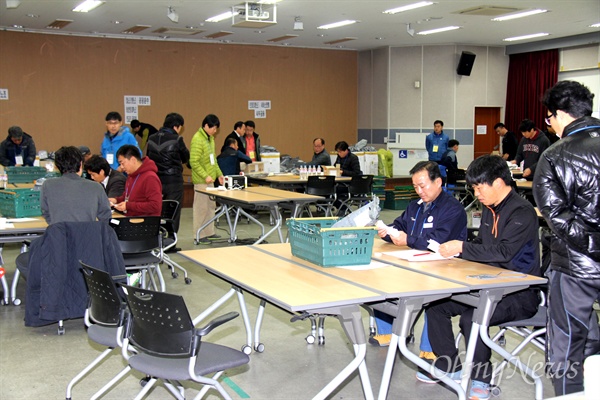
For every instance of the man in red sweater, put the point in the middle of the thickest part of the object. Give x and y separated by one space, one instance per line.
143 190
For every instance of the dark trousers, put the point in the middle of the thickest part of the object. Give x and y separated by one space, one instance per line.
572 329
174 191
513 307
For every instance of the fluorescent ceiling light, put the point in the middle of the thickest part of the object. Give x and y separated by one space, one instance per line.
595 25
520 15
222 17
535 35
267 1
338 24
438 30
408 7
88 5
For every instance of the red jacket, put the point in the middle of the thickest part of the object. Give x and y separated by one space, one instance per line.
143 191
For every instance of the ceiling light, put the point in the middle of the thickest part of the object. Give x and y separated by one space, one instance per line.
88 5
172 14
595 25
338 24
519 15
438 30
535 35
267 1
222 17
408 7
13 3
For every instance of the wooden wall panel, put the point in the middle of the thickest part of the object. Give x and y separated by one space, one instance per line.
61 88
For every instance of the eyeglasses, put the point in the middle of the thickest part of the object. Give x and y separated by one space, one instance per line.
547 119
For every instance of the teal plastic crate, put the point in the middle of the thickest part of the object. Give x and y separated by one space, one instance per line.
24 174
18 203
313 240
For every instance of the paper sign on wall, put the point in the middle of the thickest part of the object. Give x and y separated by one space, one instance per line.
481 129
3 94
260 107
131 106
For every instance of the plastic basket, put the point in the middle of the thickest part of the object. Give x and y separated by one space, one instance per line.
17 203
313 240
24 174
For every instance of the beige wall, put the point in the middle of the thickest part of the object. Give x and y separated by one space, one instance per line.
61 87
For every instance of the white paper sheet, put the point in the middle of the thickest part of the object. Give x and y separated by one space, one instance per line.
415 255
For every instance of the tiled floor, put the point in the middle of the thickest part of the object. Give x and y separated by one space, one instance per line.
36 363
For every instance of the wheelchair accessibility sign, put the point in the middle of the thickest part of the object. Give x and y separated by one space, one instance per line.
402 153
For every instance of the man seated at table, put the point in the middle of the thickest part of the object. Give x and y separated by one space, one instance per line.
143 190
71 198
320 156
508 238
436 215
100 171
230 158
348 162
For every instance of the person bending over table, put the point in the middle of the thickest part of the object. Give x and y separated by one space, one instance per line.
100 171
143 191
508 238
71 198
436 215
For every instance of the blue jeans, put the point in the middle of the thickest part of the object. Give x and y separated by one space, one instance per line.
384 327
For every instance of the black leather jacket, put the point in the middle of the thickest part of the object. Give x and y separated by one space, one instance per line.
168 151
566 187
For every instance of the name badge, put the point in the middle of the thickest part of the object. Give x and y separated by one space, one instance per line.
212 159
18 160
428 225
110 158
435 149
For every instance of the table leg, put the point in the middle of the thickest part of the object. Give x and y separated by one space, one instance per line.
224 209
276 226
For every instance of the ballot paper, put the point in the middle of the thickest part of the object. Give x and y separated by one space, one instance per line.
415 255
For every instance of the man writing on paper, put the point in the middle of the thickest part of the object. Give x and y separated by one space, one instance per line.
508 238
436 215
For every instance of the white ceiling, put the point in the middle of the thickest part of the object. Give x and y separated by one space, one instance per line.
566 18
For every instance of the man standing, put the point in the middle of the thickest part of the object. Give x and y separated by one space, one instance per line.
320 156
566 187
509 142
239 130
508 238
449 159
251 141
436 215
436 142
205 171
143 192
17 149
71 198
168 151
143 130
532 145
116 136
111 180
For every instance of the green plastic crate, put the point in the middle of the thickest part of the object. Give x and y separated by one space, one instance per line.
313 240
24 174
18 203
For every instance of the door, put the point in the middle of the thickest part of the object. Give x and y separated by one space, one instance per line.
485 143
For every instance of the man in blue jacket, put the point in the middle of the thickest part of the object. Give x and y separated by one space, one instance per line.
115 137
436 142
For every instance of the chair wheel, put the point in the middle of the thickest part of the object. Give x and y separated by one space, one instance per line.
310 339
61 330
3 302
502 341
321 340
174 275
246 349
495 391
259 347
372 331
16 302
144 381
410 339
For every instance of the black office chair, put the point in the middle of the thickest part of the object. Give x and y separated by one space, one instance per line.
104 319
174 352
360 192
169 241
324 186
140 241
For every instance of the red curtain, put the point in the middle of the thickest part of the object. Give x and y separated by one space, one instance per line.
529 76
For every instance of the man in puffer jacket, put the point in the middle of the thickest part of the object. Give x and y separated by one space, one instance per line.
566 188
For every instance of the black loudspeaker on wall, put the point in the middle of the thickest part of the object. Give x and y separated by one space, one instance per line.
465 64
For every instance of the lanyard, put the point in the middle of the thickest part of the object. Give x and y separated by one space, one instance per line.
581 129
412 231
128 192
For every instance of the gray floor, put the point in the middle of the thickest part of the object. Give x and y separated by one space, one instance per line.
36 363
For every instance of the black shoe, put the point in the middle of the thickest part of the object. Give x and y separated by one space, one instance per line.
173 250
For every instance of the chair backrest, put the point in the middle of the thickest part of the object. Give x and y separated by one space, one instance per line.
169 209
159 323
361 185
455 175
320 185
105 303
137 234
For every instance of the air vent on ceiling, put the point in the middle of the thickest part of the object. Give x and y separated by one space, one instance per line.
487 11
219 34
136 29
346 39
280 38
178 31
59 23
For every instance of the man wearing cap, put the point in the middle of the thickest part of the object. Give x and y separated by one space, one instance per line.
17 149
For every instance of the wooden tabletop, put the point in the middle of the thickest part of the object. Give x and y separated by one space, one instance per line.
19 227
260 194
291 179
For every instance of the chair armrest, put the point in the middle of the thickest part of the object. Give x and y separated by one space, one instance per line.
215 323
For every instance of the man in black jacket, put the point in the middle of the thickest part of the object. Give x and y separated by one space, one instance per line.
17 149
508 238
349 163
566 187
169 152
239 130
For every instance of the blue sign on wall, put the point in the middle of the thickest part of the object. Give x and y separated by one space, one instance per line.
402 153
